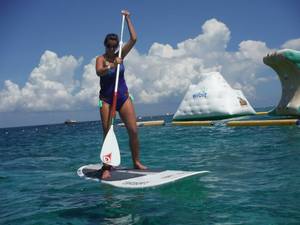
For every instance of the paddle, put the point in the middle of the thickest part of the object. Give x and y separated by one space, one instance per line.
110 152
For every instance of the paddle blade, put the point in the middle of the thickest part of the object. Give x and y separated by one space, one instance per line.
110 152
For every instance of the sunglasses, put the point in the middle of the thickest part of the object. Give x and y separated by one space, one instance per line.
111 46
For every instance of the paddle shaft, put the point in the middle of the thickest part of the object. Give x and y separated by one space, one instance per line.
114 103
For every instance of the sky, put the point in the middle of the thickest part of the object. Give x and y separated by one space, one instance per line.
48 51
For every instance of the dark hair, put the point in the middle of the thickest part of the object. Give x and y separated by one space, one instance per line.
111 36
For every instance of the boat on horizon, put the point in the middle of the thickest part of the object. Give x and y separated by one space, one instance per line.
70 121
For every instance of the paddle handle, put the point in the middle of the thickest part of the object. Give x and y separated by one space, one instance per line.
113 110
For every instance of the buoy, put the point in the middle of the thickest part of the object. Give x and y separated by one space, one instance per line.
262 113
147 123
193 123
285 122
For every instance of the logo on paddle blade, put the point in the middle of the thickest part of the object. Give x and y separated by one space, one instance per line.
107 158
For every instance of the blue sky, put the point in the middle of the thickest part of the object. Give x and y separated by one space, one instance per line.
77 28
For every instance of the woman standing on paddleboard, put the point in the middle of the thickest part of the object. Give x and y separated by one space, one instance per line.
106 68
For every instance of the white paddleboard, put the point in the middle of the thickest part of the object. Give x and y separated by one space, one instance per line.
133 178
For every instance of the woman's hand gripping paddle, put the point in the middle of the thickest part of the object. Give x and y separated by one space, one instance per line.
110 152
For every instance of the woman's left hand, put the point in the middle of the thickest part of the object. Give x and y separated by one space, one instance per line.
126 13
118 61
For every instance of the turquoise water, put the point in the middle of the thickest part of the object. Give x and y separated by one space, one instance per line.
254 179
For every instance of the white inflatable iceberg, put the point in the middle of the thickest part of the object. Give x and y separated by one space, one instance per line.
211 99
286 63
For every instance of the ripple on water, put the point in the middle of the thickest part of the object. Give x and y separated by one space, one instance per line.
254 179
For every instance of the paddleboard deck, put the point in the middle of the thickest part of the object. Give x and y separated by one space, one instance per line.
133 178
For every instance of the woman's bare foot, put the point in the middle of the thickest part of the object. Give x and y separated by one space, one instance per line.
139 165
105 172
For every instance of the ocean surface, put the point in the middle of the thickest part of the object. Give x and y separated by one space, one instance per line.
254 179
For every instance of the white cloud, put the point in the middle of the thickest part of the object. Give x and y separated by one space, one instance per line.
9 96
292 44
50 86
214 38
89 87
253 50
164 73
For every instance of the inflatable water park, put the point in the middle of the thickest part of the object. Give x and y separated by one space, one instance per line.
213 100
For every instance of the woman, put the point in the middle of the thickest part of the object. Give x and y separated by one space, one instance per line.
106 67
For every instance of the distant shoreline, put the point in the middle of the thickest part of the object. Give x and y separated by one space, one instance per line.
78 121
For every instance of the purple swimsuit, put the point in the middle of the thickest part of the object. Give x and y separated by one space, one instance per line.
107 85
